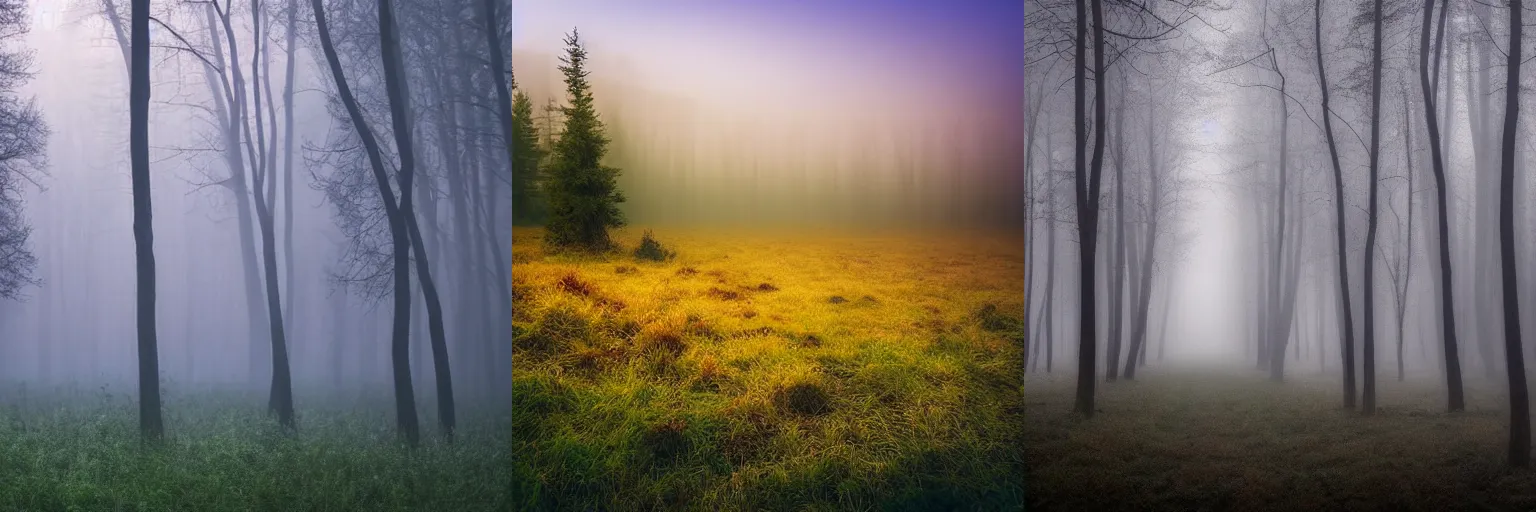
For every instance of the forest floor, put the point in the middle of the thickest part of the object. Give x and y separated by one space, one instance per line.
81 450
1208 440
785 371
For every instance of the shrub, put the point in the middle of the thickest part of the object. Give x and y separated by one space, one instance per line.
651 250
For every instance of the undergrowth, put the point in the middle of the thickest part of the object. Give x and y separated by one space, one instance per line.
223 453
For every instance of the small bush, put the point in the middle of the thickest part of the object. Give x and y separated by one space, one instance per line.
651 250
572 284
624 269
765 287
687 271
837 299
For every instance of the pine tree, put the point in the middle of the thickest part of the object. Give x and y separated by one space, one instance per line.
526 155
583 194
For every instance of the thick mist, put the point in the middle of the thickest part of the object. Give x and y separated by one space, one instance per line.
778 122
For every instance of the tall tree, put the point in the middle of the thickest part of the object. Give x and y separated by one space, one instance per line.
1347 328
150 424
583 193
397 86
1514 358
1455 399
1368 349
405 396
1087 192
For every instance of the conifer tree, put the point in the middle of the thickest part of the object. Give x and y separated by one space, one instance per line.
526 155
583 194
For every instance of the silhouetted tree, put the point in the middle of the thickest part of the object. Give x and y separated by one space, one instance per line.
150 425
1514 358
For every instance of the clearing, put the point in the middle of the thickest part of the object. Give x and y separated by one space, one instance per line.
770 371
1189 439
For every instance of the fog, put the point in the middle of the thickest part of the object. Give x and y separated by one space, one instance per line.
786 116
1346 258
75 326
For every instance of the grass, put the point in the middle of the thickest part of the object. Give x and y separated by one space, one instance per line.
725 377
82 451
1203 440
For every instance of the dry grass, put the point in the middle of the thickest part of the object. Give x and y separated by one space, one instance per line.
1202 440
728 381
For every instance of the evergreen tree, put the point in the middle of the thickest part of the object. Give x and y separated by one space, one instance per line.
526 155
583 194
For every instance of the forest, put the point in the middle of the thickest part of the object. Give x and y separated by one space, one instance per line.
254 254
768 256
1278 255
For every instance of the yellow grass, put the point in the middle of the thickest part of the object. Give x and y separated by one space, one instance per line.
730 377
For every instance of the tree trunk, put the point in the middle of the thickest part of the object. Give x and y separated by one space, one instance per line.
405 399
1347 327
1514 359
1455 400
399 106
1117 269
1368 353
1088 187
150 424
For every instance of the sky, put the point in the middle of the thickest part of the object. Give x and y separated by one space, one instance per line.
839 80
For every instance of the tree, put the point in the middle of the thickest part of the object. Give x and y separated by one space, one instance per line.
1087 193
526 155
1455 400
23 150
583 194
1368 350
1514 358
397 86
150 424
281 395
1347 318
405 396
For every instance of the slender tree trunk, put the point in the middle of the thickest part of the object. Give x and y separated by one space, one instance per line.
1514 359
1088 187
405 399
288 160
1167 306
399 105
1276 333
1455 400
1117 269
1368 365
150 424
1347 326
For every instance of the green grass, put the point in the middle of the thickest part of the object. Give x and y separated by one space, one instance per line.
1203 440
728 378
72 451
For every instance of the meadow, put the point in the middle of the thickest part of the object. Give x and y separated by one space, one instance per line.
80 450
769 371
1198 439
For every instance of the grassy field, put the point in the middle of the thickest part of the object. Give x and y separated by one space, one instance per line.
1202 440
81 451
784 371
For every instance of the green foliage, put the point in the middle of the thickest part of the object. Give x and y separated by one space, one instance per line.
527 205
72 451
583 194
651 250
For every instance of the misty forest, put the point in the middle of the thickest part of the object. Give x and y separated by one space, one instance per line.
1280 255
252 254
783 282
